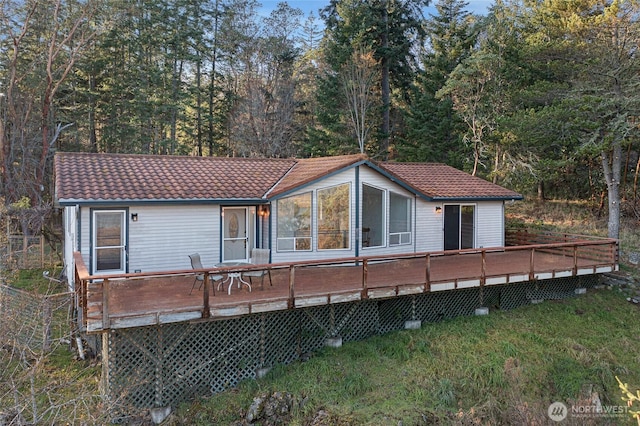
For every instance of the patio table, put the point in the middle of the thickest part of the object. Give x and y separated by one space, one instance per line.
234 276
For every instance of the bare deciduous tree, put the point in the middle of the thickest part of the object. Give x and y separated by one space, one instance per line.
43 41
358 78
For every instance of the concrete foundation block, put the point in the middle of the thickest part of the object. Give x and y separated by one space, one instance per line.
536 301
333 342
261 372
581 290
482 311
158 415
412 325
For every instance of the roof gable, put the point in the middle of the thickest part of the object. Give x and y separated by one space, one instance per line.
309 170
439 181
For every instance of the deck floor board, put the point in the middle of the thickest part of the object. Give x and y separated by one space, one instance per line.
168 295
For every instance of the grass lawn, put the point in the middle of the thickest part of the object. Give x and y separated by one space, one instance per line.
504 368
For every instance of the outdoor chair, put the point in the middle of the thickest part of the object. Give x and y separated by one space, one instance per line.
259 257
196 263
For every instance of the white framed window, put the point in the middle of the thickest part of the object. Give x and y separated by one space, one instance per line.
399 219
373 216
334 217
294 223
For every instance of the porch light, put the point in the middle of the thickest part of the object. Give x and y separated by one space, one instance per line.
134 217
263 211
438 209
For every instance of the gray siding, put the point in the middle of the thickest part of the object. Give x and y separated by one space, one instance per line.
490 224
70 217
429 227
164 236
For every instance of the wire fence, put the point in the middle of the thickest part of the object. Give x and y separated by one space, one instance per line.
29 252
31 321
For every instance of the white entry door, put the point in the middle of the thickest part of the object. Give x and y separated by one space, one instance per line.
109 242
235 235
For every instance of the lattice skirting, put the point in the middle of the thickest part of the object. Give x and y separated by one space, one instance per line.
164 365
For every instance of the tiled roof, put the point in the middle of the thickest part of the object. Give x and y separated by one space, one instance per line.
310 169
112 177
123 177
436 180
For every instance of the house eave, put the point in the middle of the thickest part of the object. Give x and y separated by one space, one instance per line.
175 201
477 198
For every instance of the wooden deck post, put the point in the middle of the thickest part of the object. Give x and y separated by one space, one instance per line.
427 274
575 260
365 275
532 273
483 275
81 296
206 312
105 304
292 302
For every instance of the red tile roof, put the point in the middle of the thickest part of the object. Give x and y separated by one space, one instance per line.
85 177
435 180
310 169
113 177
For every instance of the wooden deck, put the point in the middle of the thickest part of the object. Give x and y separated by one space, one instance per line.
134 300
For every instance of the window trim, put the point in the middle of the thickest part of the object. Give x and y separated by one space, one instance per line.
295 239
402 234
124 246
385 201
349 218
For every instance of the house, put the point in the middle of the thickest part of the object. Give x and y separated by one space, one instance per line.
357 248
141 213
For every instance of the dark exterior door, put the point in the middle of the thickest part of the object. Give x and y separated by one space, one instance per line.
451 227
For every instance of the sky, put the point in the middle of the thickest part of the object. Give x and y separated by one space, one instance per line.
475 6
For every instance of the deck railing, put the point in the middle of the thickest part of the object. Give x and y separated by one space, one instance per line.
580 253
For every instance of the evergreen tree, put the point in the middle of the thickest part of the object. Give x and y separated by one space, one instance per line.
389 28
433 127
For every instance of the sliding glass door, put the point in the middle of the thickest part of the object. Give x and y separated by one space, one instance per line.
459 226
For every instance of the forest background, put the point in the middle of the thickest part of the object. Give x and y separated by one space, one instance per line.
537 95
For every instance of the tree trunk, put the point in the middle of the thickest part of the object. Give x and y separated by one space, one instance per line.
541 191
199 105
612 168
93 138
635 179
623 183
496 165
386 91
212 80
